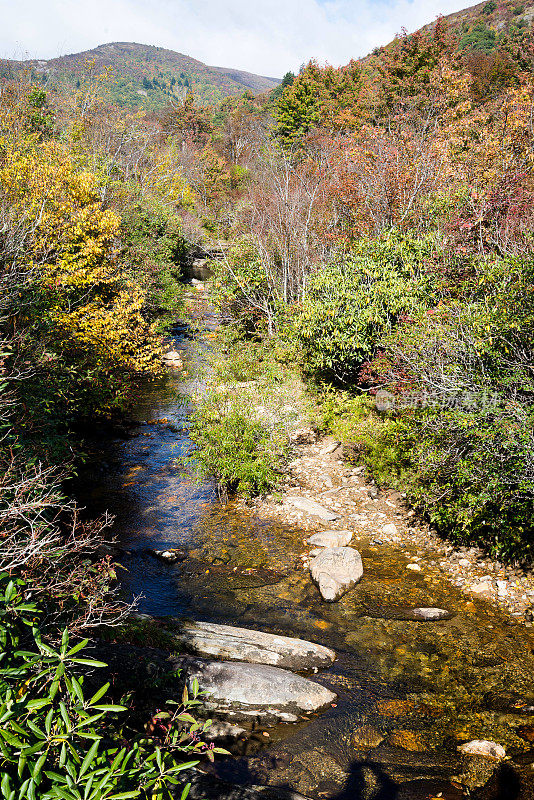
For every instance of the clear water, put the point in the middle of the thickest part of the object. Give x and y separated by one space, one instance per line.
408 692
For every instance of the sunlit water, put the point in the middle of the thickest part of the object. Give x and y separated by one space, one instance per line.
421 687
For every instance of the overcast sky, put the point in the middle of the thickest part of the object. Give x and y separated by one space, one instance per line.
267 37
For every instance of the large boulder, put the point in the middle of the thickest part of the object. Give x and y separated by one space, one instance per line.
335 571
255 688
242 644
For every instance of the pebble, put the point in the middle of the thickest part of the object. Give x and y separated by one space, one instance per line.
390 529
413 567
482 588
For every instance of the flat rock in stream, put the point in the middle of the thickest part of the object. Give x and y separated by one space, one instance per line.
335 571
330 538
255 688
428 614
242 644
313 508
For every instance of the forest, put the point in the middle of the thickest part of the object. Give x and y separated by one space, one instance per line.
377 221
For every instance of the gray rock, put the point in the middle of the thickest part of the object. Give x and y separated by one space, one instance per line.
173 359
325 451
256 687
482 589
336 570
330 538
221 729
390 529
242 644
313 508
428 614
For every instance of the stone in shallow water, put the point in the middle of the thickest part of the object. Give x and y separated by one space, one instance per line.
243 644
330 538
481 758
483 748
171 555
482 588
256 686
313 508
428 614
335 571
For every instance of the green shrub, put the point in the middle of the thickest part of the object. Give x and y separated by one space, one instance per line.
57 743
479 37
233 444
469 439
473 477
353 302
240 358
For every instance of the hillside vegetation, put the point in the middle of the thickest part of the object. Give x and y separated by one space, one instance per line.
142 76
378 221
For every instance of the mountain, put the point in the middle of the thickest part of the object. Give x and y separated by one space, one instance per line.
143 76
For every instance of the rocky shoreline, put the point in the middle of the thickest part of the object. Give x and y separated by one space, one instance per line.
322 489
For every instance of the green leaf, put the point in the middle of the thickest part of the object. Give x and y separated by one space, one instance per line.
34 705
86 763
78 647
99 694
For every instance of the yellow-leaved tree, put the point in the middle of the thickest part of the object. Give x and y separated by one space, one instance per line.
79 317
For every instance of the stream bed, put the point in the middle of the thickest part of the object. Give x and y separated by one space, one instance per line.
409 692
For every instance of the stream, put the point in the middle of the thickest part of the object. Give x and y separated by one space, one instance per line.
408 692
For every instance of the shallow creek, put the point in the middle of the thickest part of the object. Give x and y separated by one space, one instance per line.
408 692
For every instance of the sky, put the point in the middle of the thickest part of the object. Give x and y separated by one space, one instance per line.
267 37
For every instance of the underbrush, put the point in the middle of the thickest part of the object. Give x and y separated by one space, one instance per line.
232 443
59 741
240 429
466 472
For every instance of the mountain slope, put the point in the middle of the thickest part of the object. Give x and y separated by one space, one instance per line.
144 76
488 26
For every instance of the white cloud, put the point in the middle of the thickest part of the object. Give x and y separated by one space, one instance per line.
263 36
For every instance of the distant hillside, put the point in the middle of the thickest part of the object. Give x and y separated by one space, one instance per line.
144 76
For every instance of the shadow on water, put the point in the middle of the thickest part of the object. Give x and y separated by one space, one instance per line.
408 691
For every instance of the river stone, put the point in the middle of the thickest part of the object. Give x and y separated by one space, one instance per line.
335 571
173 358
256 686
484 749
313 508
483 588
171 556
389 529
428 614
330 538
242 644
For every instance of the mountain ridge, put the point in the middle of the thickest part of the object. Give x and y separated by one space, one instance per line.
144 76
